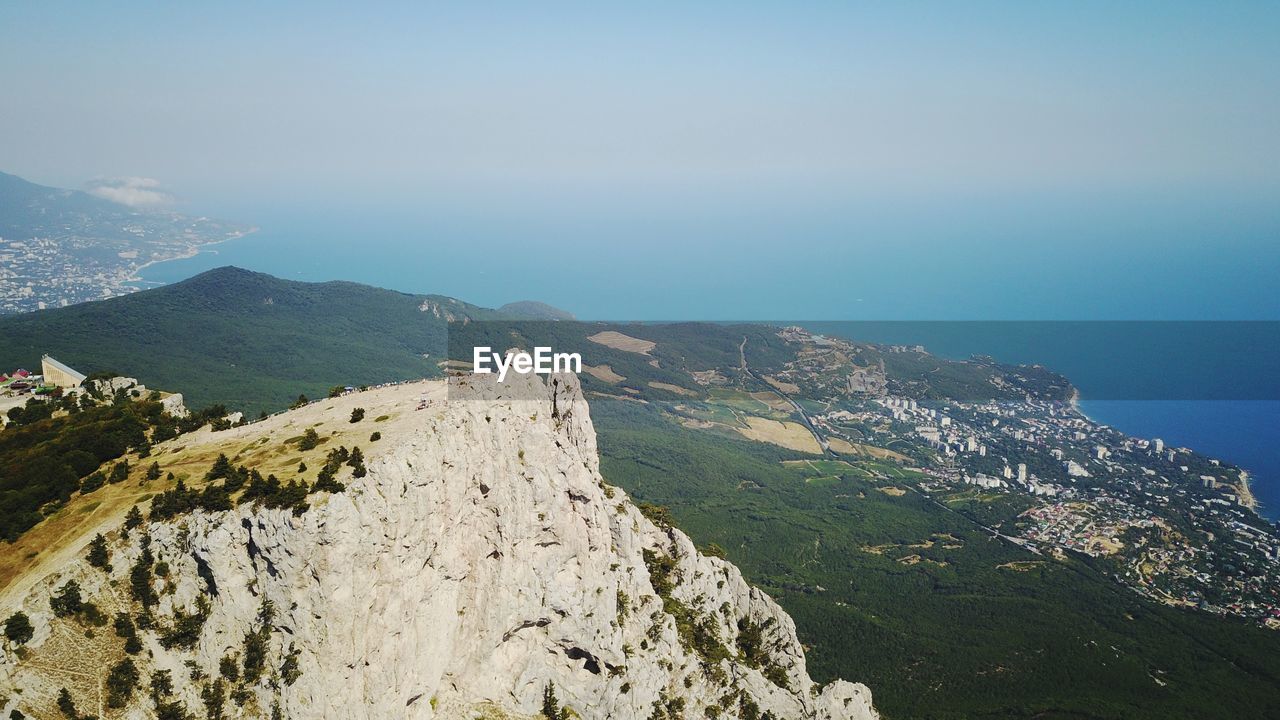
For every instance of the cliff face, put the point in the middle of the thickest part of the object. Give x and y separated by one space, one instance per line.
480 562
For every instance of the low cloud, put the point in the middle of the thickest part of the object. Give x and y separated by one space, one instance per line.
134 192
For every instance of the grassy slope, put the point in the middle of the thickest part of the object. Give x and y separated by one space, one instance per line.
958 637
266 446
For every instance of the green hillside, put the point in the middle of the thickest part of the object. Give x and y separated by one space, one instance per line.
248 340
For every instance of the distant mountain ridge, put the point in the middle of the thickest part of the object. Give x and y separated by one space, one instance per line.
25 205
534 310
246 339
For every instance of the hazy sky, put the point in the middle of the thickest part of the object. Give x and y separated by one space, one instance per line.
922 97
733 159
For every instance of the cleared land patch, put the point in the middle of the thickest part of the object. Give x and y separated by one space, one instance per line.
1020 565
603 372
672 388
789 435
774 401
618 341
841 445
782 385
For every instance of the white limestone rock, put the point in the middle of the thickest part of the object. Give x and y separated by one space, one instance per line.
174 405
481 560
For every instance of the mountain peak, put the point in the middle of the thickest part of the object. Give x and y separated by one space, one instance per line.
534 310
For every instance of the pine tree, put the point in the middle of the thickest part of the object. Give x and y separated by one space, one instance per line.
310 440
119 472
98 556
214 696
172 711
66 705
140 576
551 705
133 519
121 682
221 468
17 629
161 685
356 461
93 482
125 629
67 600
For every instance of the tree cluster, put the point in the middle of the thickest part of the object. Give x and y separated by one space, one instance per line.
42 462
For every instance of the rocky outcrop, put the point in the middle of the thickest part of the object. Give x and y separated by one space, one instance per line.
112 385
109 387
481 562
174 405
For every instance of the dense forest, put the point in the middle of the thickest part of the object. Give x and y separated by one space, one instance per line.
936 616
45 459
51 449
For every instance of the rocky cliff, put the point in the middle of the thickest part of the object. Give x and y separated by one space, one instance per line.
481 568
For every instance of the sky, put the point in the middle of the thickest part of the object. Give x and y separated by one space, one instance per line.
834 129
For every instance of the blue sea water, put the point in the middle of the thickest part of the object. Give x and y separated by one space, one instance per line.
1246 433
1216 390
666 257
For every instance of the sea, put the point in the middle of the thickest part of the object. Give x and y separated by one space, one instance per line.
1209 385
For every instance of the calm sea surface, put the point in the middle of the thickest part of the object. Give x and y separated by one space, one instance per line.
1213 387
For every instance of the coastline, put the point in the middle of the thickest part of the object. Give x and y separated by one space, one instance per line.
1243 487
135 275
1245 492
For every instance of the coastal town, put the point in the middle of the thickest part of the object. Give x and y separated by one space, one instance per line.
71 267
1167 522
61 247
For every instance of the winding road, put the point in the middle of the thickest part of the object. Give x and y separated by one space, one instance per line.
742 363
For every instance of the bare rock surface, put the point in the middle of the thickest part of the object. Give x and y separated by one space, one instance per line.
481 561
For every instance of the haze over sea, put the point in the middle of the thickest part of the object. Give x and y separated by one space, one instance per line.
672 257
